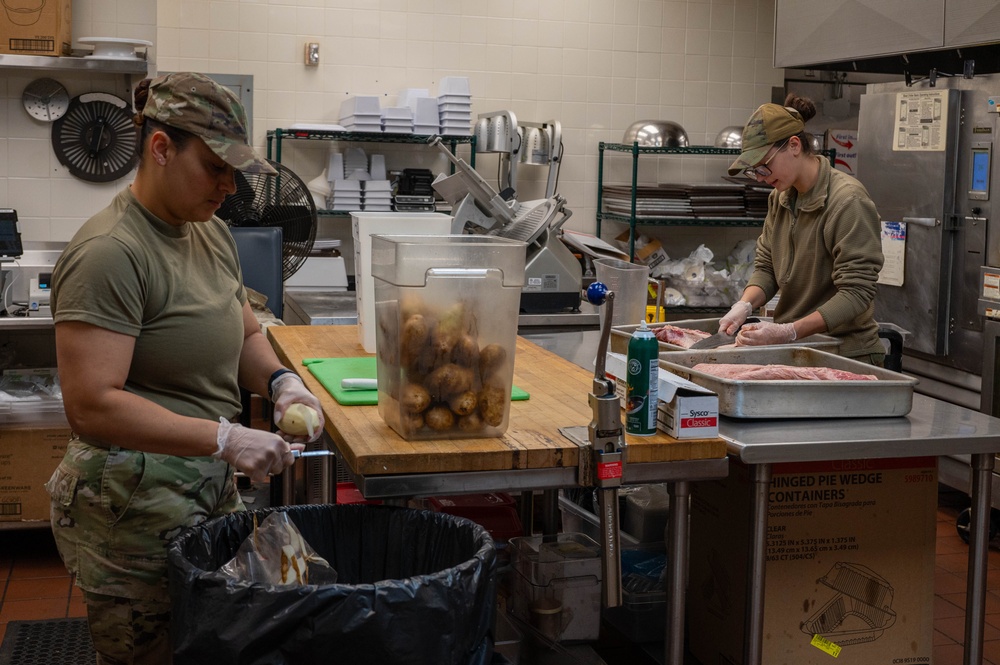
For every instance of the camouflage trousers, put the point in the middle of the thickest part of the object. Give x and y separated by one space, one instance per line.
114 511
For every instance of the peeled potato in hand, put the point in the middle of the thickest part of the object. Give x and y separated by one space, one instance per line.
299 420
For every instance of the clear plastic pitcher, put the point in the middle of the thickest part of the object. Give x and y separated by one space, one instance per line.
628 281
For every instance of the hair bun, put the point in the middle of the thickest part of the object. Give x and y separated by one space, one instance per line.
805 106
140 95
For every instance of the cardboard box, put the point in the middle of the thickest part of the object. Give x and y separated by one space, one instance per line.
36 27
845 142
28 456
648 250
849 571
689 415
685 410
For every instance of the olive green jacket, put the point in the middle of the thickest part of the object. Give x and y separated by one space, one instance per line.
823 250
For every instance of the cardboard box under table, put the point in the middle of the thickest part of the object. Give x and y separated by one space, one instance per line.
28 456
36 27
850 563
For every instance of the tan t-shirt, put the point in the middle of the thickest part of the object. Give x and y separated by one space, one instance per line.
177 290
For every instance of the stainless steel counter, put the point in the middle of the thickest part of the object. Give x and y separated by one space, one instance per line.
320 308
25 322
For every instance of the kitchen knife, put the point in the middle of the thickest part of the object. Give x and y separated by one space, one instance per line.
720 339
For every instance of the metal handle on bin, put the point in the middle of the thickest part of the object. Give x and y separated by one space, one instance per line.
457 272
922 221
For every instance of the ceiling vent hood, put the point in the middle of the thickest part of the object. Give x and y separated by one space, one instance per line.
967 61
903 37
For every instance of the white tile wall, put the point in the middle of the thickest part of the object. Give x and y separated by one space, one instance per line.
51 203
594 65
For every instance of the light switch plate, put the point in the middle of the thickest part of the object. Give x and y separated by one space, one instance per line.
312 54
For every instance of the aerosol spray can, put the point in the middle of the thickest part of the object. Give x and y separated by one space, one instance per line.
642 380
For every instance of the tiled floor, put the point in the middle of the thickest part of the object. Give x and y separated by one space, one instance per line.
34 584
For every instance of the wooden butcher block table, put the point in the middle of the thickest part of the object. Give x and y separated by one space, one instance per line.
558 392
533 454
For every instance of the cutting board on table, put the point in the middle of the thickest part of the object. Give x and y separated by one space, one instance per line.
331 371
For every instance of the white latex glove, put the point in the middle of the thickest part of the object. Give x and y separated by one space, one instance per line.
735 318
255 452
289 389
763 333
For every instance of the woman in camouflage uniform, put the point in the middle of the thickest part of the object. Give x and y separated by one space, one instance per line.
154 337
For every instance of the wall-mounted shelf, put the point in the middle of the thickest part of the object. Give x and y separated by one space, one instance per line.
71 64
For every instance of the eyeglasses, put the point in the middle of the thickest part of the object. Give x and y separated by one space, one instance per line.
761 170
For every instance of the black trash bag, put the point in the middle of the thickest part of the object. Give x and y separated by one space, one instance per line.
413 587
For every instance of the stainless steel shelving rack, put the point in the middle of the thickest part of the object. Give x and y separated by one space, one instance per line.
276 136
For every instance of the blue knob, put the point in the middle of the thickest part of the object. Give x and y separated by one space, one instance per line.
597 293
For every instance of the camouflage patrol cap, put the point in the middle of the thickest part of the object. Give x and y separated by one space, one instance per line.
769 124
197 104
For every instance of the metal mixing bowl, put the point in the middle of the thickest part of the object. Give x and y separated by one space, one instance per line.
730 137
657 134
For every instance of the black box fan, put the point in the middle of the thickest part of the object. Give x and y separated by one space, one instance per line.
281 200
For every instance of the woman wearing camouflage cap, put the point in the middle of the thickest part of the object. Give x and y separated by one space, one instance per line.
154 337
820 245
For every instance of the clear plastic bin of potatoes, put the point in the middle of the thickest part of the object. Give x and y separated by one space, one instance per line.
446 312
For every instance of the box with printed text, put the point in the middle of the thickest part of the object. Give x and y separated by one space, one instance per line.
28 456
36 27
849 572
685 410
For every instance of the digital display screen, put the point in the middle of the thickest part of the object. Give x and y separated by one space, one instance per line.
10 237
980 171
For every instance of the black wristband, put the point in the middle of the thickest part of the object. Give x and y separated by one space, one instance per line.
270 382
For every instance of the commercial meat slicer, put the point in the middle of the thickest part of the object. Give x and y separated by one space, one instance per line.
553 276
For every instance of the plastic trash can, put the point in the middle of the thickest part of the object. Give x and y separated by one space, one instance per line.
413 586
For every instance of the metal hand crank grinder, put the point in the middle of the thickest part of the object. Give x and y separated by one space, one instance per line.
607 442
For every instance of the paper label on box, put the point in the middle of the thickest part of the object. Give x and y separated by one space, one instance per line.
825 645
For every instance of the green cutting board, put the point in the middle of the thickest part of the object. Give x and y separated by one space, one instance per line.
331 371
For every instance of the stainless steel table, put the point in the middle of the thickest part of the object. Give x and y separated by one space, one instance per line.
932 427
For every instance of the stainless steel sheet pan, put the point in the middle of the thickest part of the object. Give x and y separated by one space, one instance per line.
621 334
890 395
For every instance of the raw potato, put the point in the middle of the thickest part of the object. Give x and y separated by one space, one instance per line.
464 403
491 405
415 398
449 380
466 351
491 358
415 334
470 423
439 418
299 420
412 421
